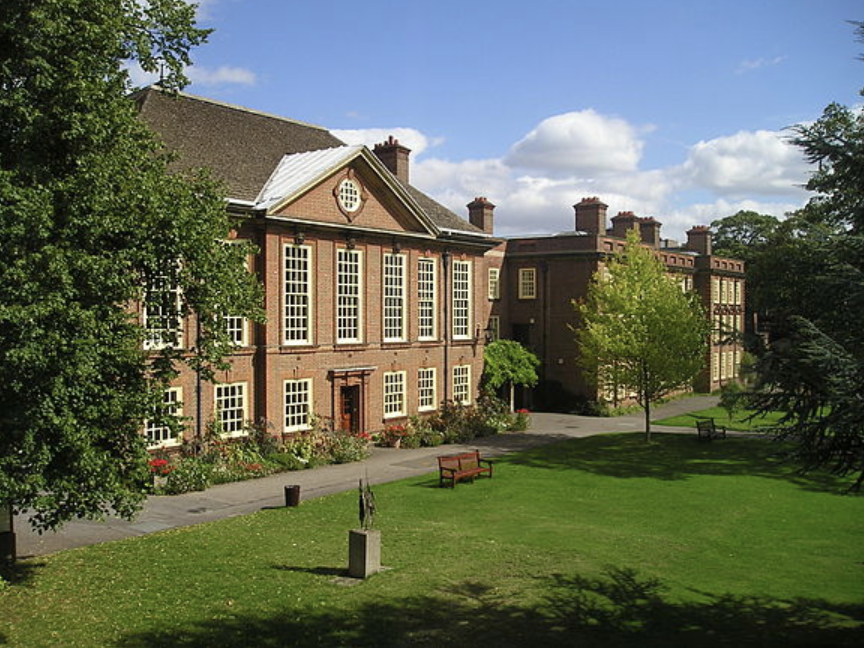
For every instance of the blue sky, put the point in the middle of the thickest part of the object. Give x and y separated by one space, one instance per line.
674 109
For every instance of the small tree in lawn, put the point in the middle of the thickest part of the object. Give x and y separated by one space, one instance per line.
509 363
640 332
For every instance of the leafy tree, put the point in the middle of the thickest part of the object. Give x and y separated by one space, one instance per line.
640 332
812 284
743 234
507 362
89 216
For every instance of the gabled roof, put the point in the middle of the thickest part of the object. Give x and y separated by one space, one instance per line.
299 172
246 150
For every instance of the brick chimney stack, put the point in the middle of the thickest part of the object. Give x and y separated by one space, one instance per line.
591 215
699 240
394 156
650 231
480 214
623 223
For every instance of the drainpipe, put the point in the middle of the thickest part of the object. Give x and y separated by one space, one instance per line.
199 391
445 259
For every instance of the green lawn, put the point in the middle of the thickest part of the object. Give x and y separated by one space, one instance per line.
602 541
739 421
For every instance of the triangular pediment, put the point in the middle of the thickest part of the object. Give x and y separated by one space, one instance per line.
346 185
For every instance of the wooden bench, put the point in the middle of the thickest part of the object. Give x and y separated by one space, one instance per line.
466 465
707 430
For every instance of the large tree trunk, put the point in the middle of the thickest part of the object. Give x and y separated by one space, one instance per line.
512 396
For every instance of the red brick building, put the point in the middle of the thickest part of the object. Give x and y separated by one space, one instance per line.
540 276
375 294
379 299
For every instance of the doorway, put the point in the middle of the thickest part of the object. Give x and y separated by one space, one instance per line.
349 411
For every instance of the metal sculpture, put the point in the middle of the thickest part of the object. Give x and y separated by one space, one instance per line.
366 505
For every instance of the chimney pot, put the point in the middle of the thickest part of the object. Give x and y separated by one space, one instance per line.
699 240
591 215
395 157
480 214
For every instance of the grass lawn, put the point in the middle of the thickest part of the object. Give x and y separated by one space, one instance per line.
739 421
601 541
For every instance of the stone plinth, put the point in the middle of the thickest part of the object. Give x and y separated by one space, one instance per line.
364 552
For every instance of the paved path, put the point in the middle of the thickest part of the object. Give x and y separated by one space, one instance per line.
385 464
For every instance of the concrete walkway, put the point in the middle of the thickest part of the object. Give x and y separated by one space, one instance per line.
385 465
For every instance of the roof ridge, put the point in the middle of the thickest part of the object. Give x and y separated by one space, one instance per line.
224 104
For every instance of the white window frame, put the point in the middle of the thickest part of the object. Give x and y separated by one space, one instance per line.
494 328
462 384
158 337
527 283
427 302
427 389
236 424
297 311
237 329
394 394
394 290
349 296
462 302
494 287
172 399
297 402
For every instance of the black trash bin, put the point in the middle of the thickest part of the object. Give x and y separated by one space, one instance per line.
292 495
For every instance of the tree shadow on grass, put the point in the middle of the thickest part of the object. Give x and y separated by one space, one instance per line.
618 609
21 572
674 457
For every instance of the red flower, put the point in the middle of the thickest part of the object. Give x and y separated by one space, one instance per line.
160 466
522 411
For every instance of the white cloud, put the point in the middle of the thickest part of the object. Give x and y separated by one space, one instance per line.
579 142
536 183
408 137
225 74
750 65
198 75
760 162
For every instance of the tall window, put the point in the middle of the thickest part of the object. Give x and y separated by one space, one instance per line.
462 384
162 321
461 299
426 389
349 284
527 283
236 327
298 295
394 298
394 393
158 433
494 283
494 328
426 276
298 404
231 408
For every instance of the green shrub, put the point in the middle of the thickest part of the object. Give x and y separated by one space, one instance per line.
521 421
189 474
287 461
423 432
346 448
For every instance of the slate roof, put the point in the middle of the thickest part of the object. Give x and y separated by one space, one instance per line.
244 147
240 146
